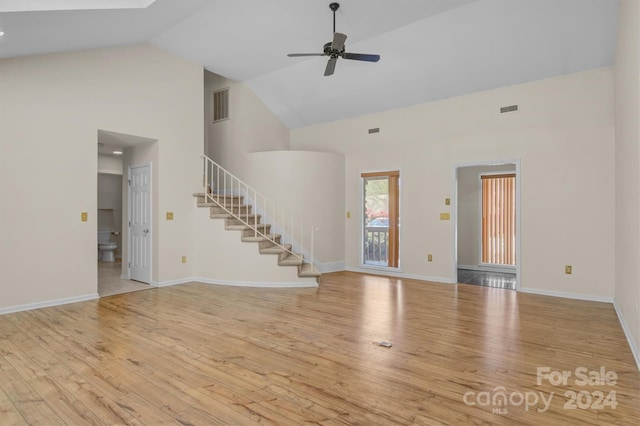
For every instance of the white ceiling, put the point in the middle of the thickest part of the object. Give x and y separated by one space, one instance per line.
108 142
430 49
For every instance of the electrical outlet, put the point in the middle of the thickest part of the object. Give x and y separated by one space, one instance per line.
84 216
568 270
429 258
447 201
184 259
169 215
348 215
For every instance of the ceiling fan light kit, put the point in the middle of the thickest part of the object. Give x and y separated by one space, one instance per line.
336 48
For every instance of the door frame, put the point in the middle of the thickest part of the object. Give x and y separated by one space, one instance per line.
363 265
129 208
454 213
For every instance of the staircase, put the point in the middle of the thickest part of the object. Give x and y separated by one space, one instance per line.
225 199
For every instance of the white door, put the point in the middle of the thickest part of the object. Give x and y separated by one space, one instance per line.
140 223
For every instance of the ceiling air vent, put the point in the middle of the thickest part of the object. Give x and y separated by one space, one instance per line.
220 105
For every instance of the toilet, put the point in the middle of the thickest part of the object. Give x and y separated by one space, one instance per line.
106 247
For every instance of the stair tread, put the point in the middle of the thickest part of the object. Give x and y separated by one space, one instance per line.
202 194
242 227
261 238
237 227
275 249
291 260
308 270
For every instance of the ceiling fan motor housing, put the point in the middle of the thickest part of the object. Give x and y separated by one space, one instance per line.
332 52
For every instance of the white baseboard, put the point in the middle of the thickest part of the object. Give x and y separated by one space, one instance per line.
385 272
258 284
48 303
172 282
566 295
627 332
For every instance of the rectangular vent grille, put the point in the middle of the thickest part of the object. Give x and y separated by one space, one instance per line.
376 130
221 105
510 108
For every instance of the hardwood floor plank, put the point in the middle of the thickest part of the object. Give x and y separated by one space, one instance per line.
9 414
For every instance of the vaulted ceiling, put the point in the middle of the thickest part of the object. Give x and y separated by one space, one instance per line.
430 49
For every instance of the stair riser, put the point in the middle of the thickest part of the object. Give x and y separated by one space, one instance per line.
201 197
251 220
265 229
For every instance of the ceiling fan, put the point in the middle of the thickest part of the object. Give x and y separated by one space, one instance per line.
335 49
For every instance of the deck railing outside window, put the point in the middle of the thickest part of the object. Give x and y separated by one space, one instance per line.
376 245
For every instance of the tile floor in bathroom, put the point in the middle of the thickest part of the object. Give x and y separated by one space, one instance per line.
110 283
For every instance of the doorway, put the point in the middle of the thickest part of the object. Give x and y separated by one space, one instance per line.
117 153
486 224
381 217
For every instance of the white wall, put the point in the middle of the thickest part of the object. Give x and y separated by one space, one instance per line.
254 145
251 126
50 110
310 185
470 212
564 136
627 172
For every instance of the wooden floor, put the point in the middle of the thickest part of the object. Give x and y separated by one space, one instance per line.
199 354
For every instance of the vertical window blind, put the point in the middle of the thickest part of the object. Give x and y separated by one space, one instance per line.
499 219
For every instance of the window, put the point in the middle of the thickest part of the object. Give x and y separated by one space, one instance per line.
220 105
499 219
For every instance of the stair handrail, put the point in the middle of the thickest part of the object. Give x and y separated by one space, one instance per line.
218 183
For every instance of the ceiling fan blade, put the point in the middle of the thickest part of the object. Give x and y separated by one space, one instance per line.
338 41
297 55
331 67
361 57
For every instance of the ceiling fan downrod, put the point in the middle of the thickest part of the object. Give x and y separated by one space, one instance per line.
334 7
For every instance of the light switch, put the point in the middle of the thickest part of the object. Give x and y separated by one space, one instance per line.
447 201
348 215
84 216
169 215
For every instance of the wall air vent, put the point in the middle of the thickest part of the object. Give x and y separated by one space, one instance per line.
510 108
376 130
220 105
